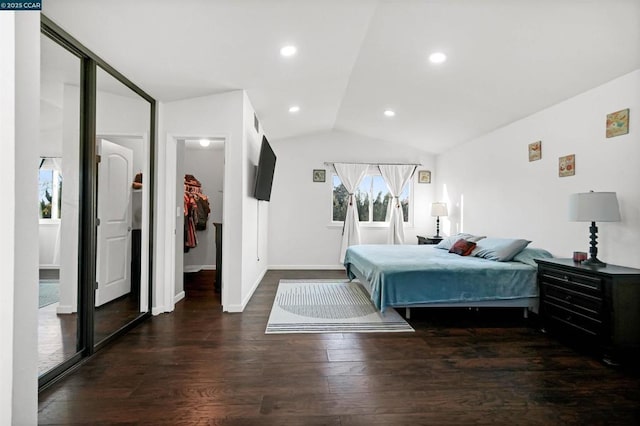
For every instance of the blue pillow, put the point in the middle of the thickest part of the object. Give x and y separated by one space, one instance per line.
499 249
528 256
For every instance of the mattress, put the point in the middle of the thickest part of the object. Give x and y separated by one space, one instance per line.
408 275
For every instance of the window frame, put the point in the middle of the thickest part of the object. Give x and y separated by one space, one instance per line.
371 223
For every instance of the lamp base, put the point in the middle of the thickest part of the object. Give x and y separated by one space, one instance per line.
593 250
594 261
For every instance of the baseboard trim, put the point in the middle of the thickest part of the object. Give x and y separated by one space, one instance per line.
178 297
158 310
64 309
307 267
197 268
240 308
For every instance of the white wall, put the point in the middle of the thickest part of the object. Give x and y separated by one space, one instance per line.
19 134
121 115
70 200
47 236
506 195
207 165
220 116
300 233
255 214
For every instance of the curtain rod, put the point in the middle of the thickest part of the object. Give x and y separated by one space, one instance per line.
331 163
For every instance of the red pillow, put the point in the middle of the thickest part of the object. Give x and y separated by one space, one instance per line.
462 247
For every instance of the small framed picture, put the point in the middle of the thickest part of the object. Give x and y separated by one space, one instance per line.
319 175
535 151
424 176
618 123
567 165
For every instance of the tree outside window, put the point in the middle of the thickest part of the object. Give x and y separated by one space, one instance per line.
372 198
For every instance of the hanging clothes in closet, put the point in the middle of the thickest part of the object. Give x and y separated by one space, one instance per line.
196 211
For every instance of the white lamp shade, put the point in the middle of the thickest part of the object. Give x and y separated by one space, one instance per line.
439 209
594 207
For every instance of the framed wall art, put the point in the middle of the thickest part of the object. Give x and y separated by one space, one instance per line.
424 176
535 151
618 123
567 165
319 175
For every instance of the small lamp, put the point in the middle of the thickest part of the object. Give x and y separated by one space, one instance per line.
437 210
594 207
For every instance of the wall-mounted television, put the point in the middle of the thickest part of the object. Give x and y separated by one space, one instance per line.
264 175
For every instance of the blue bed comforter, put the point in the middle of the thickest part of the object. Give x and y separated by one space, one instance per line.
405 275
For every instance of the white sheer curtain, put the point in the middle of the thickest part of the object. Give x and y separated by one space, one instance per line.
351 175
396 177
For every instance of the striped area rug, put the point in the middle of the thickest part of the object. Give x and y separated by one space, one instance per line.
323 306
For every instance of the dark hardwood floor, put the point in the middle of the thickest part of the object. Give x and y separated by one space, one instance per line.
200 366
58 334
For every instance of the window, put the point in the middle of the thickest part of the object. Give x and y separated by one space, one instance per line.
372 198
50 189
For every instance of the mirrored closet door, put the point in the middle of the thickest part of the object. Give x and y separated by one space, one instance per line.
122 145
58 201
95 195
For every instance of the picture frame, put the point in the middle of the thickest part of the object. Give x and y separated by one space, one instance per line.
567 165
535 151
319 175
424 176
618 123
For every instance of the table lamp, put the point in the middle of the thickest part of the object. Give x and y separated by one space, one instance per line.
437 210
594 207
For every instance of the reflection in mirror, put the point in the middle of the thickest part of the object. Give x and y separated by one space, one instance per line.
58 176
122 125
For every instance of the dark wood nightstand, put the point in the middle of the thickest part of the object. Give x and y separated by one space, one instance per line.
428 240
597 306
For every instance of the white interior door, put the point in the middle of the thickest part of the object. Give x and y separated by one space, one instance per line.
113 263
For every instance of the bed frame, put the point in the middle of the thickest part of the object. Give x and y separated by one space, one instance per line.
526 303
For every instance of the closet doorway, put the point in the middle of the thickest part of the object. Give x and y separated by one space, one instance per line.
200 164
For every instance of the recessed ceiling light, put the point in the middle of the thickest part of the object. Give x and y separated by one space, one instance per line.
437 58
288 50
294 109
205 142
389 113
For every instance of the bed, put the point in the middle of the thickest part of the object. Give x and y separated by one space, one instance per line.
425 276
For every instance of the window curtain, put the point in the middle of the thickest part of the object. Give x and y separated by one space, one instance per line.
351 175
396 177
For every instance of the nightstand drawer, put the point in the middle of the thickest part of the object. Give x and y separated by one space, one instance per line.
591 285
595 305
569 298
573 319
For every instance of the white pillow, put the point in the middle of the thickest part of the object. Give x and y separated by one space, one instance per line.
449 241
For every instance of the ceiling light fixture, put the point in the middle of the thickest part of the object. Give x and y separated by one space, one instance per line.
389 113
289 50
205 143
294 109
437 58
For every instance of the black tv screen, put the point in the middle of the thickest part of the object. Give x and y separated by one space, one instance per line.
264 175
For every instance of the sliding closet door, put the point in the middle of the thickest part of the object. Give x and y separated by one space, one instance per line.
96 185
59 180
123 122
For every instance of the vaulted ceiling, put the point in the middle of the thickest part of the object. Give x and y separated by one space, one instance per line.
506 59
